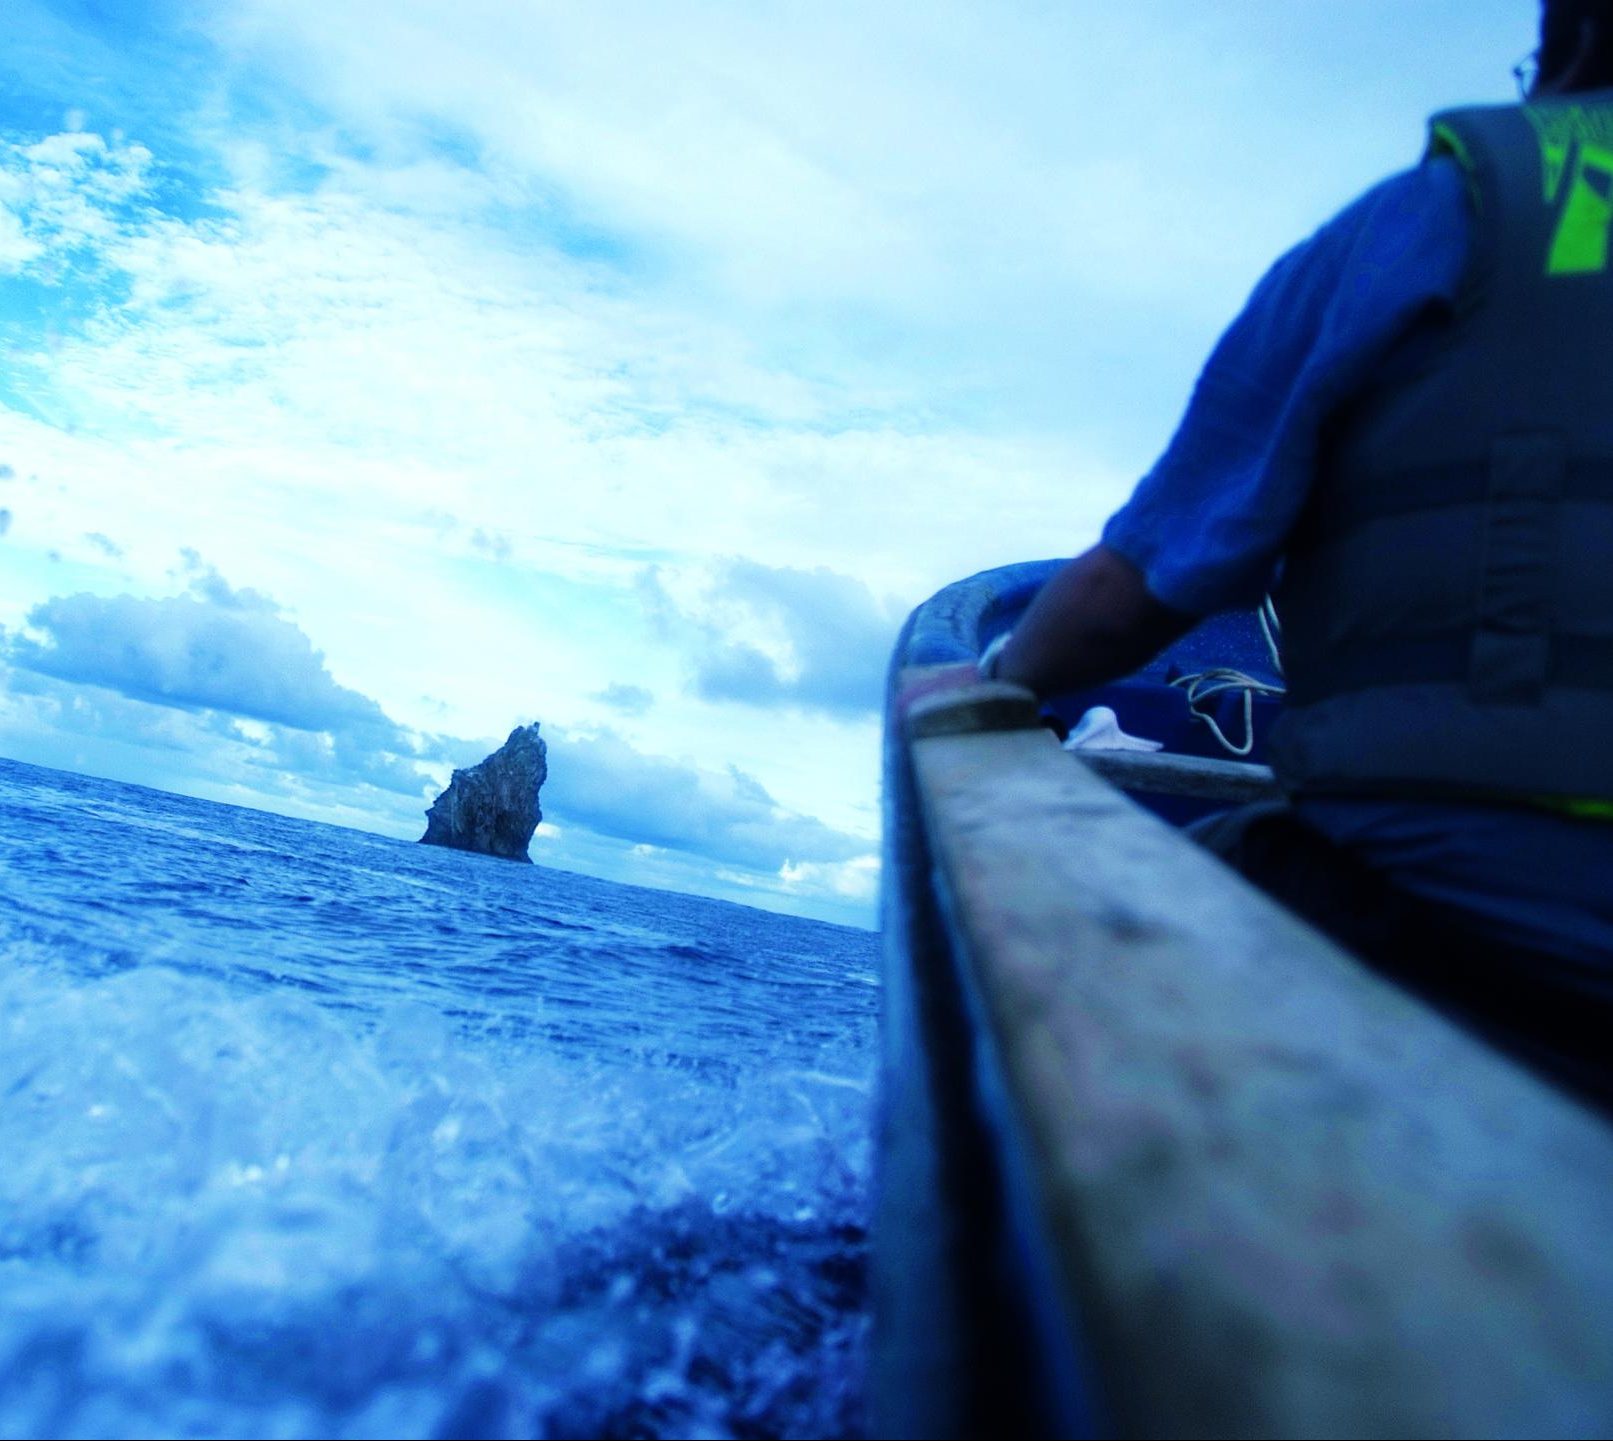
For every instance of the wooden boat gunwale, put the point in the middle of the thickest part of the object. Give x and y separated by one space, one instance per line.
957 1352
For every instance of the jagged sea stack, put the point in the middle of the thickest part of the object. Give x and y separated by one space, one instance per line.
493 806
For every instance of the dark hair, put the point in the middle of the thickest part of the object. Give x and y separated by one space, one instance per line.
1561 22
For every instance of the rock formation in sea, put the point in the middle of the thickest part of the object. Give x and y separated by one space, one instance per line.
493 806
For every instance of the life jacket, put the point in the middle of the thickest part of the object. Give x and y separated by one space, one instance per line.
1447 596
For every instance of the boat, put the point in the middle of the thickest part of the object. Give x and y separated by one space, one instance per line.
1155 1157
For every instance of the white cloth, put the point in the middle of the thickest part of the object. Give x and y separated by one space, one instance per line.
1099 730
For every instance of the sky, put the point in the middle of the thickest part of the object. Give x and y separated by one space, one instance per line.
382 375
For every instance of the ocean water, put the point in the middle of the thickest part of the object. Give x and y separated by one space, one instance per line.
308 1132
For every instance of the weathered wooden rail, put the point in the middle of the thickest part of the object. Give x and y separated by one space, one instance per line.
1176 1165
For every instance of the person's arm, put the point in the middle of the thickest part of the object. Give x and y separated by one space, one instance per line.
1094 621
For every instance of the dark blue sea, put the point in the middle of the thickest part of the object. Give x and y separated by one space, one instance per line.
309 1132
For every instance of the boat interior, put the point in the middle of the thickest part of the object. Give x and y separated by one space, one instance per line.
1158 1158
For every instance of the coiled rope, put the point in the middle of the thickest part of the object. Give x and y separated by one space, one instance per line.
1205 685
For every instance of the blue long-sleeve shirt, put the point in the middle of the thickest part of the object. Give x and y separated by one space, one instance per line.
1207 527
1208 524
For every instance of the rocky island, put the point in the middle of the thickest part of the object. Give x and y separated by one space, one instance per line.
493 806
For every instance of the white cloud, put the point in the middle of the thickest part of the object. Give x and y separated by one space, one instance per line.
17 247
205 753
795 148
628 700
61 196
605 784
223 650
947 162
856 879
769 636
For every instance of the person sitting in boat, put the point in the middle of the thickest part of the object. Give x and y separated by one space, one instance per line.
1407 439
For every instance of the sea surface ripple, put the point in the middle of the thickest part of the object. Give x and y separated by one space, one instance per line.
309 1132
